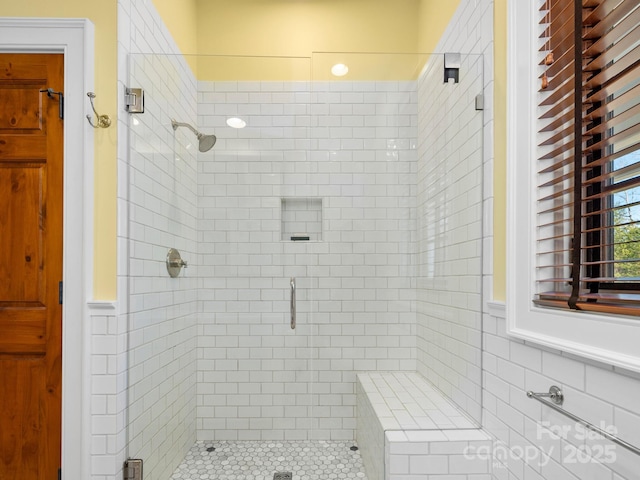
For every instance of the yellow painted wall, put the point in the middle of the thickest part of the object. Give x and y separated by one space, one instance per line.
298 29
181 17
433 17
103 14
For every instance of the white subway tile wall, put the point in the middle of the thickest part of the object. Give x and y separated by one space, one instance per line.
438 455
450 170
157 210
369 435
351 146
162 310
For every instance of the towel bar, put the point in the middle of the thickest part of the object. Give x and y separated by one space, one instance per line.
557 397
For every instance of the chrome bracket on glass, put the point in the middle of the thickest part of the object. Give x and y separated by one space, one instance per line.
134 100
174 263
292 304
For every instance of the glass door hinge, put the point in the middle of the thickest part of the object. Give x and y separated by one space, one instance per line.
134 100
132 469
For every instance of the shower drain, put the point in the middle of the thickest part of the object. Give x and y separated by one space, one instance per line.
282 476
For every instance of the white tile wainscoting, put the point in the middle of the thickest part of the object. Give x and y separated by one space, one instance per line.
533 441
407 429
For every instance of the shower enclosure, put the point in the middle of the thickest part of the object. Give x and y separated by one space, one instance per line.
355 200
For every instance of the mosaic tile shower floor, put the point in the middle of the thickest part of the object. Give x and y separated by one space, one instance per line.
306 460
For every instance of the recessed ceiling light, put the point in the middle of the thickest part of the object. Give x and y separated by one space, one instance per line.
235 122
339 70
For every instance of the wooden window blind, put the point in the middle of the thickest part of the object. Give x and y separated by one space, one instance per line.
588 167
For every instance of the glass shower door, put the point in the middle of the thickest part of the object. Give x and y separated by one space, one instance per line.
212 354
160 204
328 193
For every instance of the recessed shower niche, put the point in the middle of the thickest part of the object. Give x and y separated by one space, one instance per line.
301 219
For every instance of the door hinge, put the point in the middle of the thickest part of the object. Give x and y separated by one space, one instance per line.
132 469
60 291
59 474
50 93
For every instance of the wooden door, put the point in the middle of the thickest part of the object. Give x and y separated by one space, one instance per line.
31 174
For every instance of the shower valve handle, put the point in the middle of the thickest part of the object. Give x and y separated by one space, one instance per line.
175 263
178 263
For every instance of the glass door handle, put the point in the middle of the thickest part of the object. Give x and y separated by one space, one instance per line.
292 304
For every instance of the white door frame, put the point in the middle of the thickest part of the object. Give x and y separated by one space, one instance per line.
74 38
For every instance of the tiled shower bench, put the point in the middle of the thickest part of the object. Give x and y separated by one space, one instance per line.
408 430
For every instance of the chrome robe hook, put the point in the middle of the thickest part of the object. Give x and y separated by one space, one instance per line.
103 121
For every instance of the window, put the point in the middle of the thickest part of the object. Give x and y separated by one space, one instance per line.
574 231
589 163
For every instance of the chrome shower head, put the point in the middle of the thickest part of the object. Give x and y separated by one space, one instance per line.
205 142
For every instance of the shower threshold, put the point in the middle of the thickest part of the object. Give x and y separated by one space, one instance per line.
267 460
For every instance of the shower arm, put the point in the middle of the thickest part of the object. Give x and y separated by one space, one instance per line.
175 126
